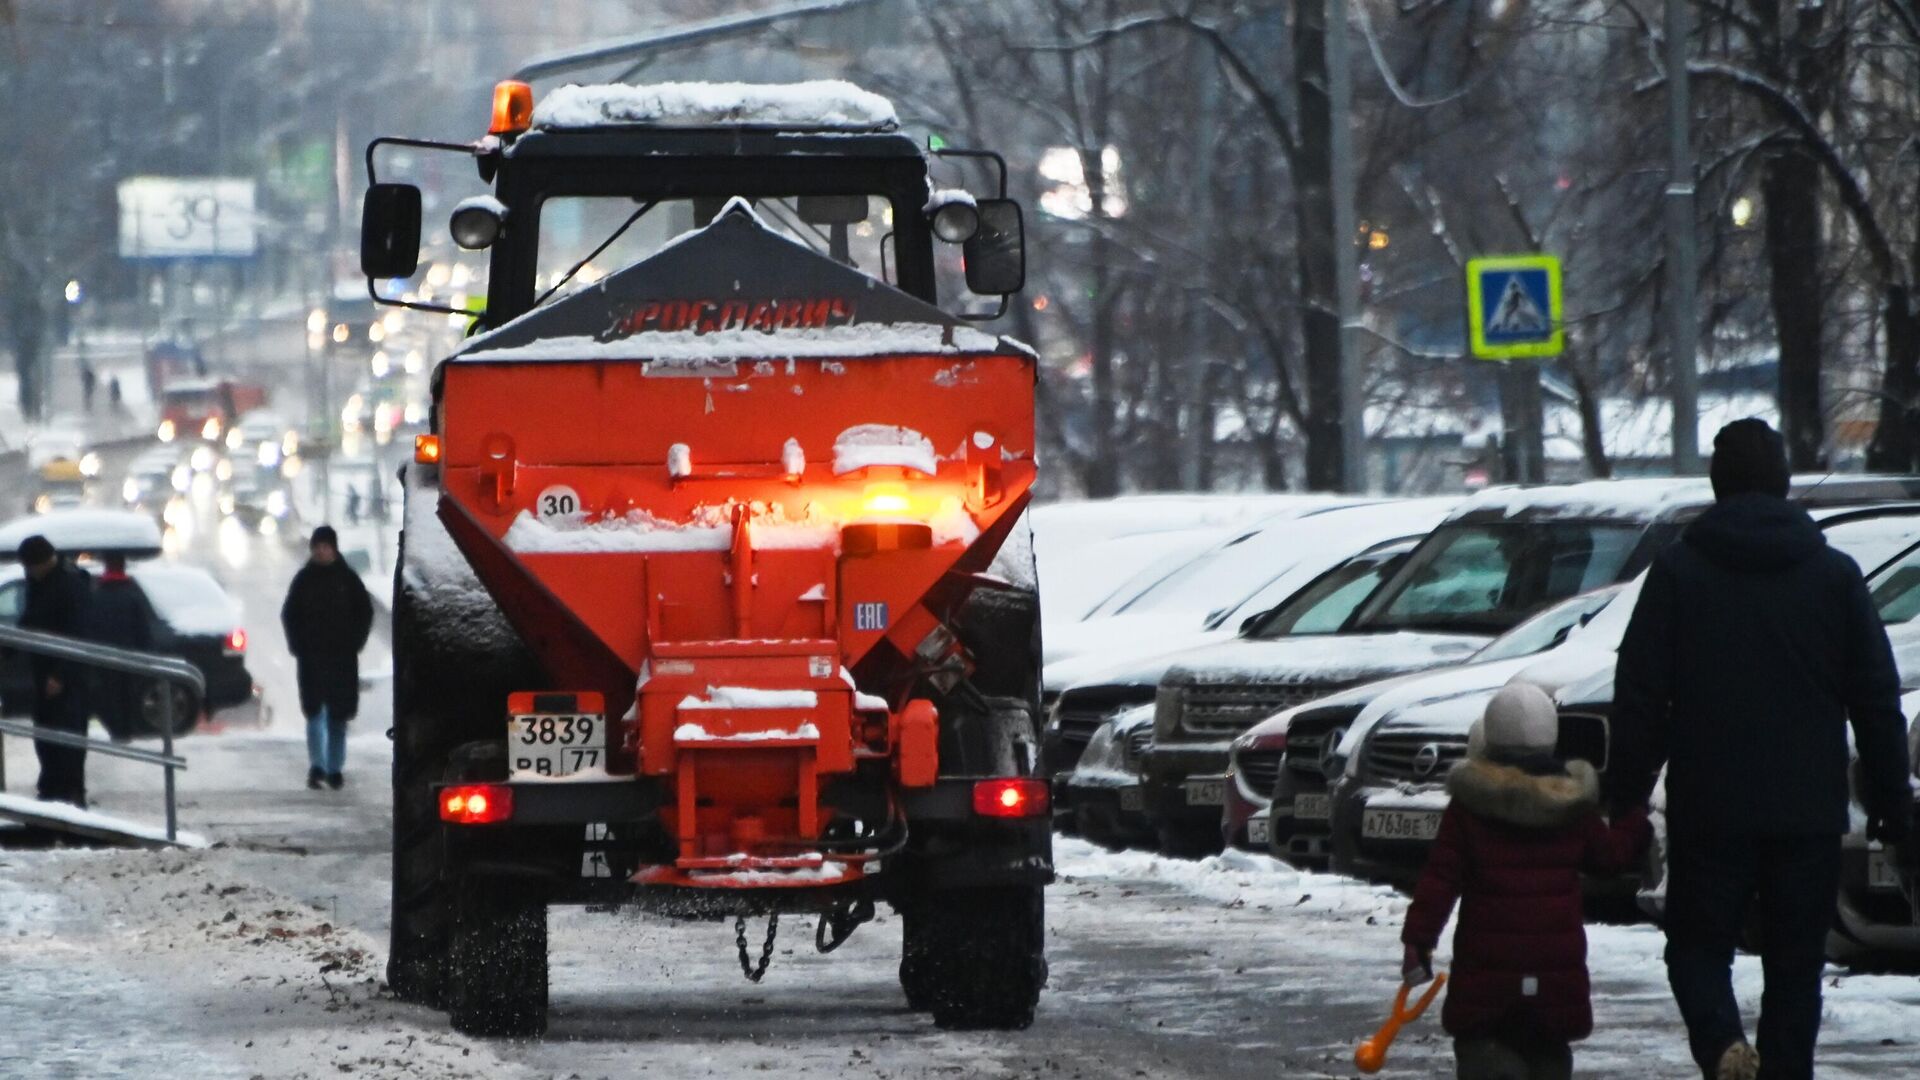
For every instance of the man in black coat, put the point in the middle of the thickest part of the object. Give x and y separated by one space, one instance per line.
1753 646
327 617
56 603
119 615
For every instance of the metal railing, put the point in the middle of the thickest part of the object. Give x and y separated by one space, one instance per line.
167 669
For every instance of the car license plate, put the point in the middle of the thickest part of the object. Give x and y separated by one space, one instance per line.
1400 824
1206 792
1259 830
1312 807
1882 873
556 744
1133 799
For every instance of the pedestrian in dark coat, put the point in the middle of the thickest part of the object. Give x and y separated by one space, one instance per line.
56 603
119 615
1753 645
1520 830
327 617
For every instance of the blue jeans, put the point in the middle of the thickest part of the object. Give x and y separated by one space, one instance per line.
326 743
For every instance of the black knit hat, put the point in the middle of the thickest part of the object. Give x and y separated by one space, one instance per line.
324 535
35 550
1749 457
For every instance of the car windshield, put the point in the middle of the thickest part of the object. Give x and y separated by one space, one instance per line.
1487 579
1896 588
1324 606
1547 629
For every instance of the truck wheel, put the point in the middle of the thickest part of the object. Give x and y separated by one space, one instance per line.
988 961
1001 629
917 948
440 703
497 965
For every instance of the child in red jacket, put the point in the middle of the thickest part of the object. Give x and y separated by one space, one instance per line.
1520 830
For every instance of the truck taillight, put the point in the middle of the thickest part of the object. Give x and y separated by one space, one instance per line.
236 642
1013 797
476 804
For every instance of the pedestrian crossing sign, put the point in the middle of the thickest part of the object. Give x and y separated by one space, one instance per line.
1513 307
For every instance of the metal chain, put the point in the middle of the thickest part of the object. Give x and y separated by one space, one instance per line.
747 967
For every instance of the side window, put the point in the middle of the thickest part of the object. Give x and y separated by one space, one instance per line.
13 597
1468 577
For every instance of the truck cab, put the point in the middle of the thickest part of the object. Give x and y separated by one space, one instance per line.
694 611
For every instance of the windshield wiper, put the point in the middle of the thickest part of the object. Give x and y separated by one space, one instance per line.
595 253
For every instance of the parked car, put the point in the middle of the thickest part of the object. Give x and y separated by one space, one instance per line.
1237 577
1102 793
1271 565
1258 756
1188 822
1389 791
191 616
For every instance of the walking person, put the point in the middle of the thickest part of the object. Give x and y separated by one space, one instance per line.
120 615
1520 830
88 381
327 617
1752 647
56 603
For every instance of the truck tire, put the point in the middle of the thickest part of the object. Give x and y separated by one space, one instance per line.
440 703
497 960
986 962
918 979
1001 629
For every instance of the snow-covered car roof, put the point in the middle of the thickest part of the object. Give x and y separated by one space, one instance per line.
72 531
187 598
820 105
1652 498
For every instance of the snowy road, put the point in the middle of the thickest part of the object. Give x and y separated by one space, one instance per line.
262 956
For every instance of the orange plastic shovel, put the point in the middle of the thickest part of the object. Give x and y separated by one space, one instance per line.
1371 1056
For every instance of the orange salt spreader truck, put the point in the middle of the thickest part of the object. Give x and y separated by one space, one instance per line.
698 608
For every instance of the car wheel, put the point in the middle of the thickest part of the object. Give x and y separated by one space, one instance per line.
186 708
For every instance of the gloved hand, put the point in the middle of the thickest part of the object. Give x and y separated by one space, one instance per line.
1890 829
1416 966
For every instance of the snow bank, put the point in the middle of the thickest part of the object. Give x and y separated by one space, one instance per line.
823 103
639 531
867 445
747 697
93 819
1232 877
713 353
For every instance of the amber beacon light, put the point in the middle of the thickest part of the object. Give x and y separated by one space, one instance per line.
512 108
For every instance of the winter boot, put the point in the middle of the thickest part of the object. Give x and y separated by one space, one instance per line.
336 781
314 777
1739 1061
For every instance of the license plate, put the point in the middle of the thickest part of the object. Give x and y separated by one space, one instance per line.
1206 792
556 744
1400 824
1259 831
1312 807
1882 873
1133 799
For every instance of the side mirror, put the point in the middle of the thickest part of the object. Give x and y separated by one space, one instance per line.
390 231
1251 622
996 254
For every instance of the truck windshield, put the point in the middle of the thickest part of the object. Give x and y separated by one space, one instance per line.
572 227
1325 606
1486 579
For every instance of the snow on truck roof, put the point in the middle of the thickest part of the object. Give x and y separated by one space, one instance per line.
826 104
734 290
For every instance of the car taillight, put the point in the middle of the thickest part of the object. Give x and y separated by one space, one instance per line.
1011 798
237 641
476 804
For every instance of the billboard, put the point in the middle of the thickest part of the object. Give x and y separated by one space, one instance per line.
186 217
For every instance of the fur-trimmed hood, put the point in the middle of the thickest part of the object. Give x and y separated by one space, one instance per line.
1518 797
